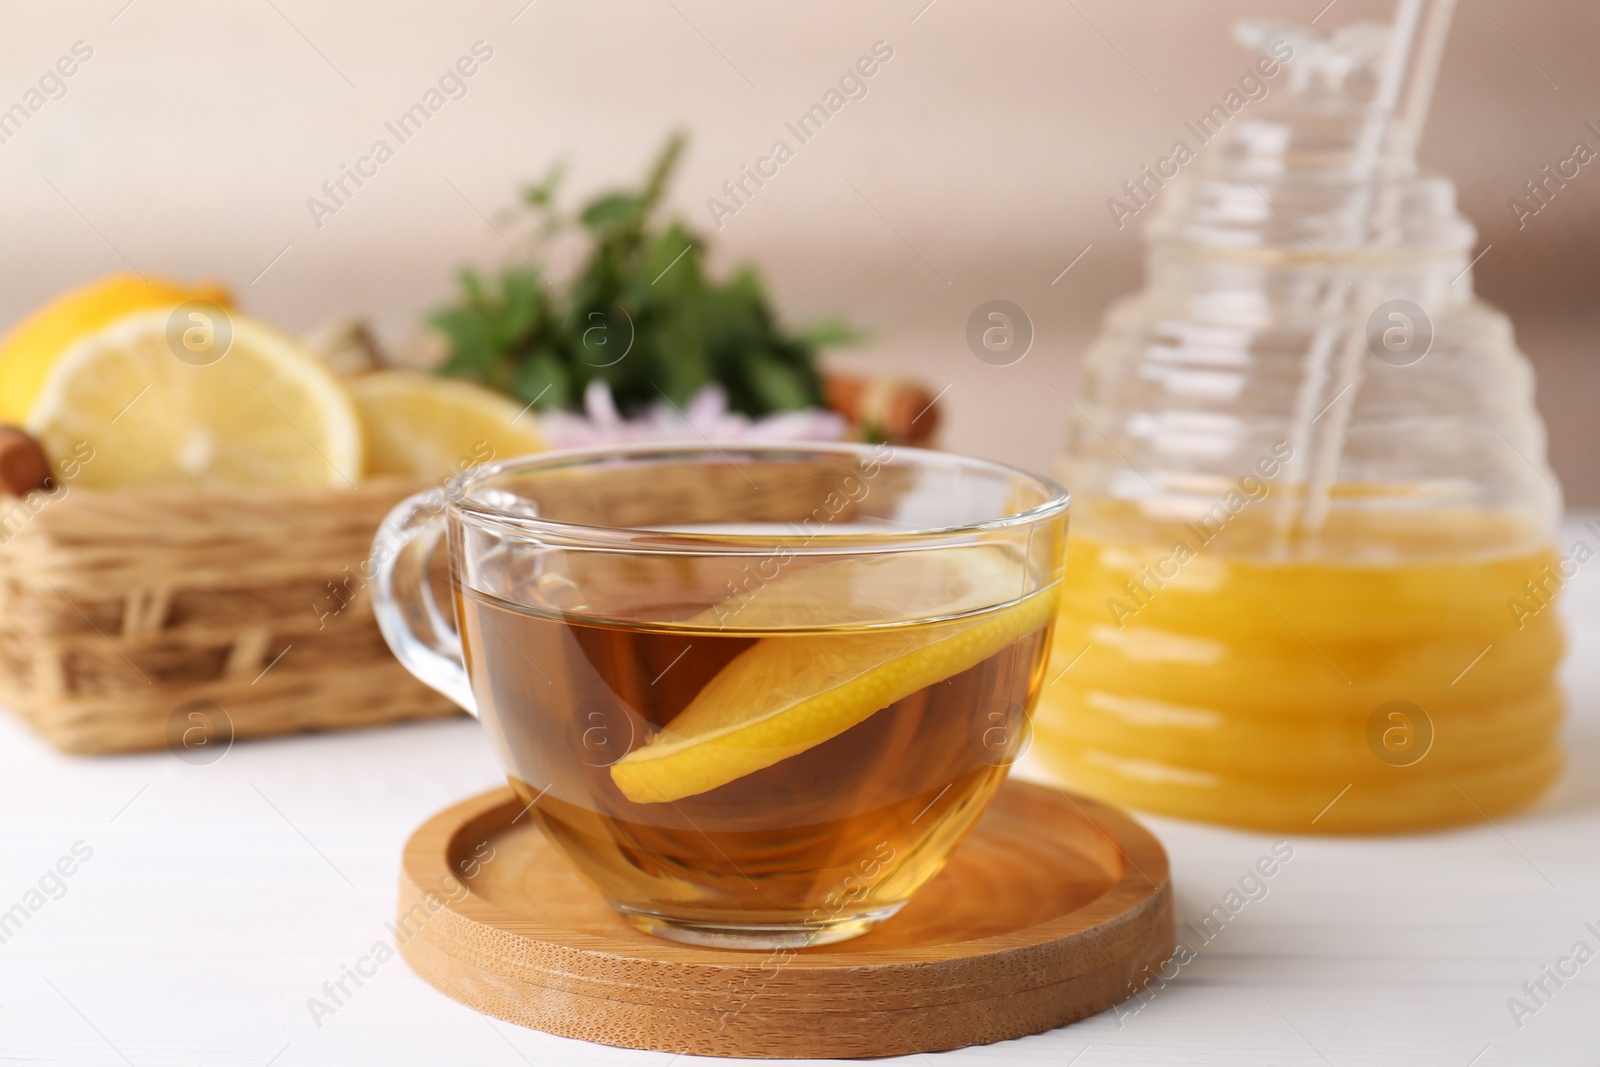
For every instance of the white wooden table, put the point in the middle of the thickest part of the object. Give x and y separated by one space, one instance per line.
218 899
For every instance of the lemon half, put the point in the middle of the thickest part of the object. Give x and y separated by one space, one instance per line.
420 426
266 413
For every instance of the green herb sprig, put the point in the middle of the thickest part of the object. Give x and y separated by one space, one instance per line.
641 315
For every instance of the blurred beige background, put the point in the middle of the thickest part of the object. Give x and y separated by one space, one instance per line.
977 166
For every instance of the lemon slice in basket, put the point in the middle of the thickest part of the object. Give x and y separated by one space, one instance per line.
263 413
425 427
788 693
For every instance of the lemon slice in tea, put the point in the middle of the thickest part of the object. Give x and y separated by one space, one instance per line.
790 692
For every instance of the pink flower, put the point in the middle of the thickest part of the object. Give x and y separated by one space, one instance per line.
704 416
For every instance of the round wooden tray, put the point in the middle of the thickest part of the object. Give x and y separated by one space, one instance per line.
1054 909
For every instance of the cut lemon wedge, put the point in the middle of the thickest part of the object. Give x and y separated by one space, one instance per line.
266 413
788 693
419 426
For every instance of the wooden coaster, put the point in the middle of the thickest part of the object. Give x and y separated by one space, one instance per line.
1051 911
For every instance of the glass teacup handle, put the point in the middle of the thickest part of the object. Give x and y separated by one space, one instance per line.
423 637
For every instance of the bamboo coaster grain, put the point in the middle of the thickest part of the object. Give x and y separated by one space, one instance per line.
1050 912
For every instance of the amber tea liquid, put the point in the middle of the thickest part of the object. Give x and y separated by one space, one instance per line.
830 839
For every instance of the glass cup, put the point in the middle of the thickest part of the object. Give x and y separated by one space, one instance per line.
757 693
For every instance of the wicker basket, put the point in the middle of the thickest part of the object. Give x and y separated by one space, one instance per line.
118 609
